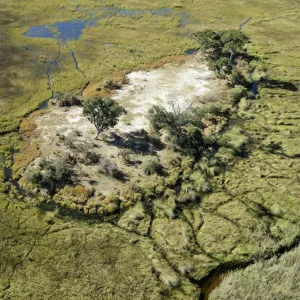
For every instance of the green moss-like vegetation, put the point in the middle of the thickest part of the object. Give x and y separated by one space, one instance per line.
43 256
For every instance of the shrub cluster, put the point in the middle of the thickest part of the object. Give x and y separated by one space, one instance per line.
125 155
65 99
185 129
226 54
80 199
111 85
187 180
237 93
110 168
51 174
83 200
92 157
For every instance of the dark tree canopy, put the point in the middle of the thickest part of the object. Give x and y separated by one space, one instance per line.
104 113
209 42
233 42
221 48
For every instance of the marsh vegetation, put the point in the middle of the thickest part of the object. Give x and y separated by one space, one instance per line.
213 181
161 179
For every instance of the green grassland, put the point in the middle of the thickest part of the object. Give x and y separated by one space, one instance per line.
253 210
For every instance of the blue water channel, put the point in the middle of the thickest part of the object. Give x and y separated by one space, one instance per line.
191 51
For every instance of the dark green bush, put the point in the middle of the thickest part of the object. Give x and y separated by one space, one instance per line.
66 99
110 85
103 113
222 48
184 128
237 78
92 157
160 118
207 109
152 167
189 140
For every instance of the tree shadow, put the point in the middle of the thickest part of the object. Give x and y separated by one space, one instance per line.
121 176
266 82
139 142
274 148
278 84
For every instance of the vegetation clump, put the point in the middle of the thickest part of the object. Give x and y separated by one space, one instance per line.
92 157
125 155
110 168
85 200
65 99
51 174
152 167
237 93
185 129
129 195
226 54
111 85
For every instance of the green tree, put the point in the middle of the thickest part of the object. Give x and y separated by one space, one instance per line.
209 43
104 113
221 48
233 42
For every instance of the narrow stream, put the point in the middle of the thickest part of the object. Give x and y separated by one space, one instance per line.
245 23
74 58
213 280
211 284
50 65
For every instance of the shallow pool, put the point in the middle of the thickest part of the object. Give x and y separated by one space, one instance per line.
70 30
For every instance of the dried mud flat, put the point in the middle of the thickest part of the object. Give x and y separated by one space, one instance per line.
181 84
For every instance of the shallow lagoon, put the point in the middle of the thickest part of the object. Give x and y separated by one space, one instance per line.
61 30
